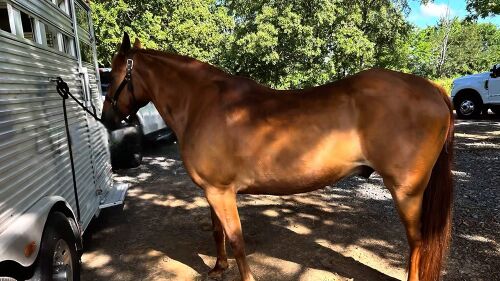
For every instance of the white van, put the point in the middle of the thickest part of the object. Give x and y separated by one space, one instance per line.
49 192
475 94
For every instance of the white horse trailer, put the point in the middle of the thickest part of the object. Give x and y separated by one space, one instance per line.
46 202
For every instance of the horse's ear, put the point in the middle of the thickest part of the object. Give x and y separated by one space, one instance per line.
137 44
125 46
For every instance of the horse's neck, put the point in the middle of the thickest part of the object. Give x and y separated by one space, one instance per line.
171 89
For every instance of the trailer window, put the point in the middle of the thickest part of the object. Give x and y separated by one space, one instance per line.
82 17
40 32
69 45
51 36
63 5
86 52
4 17
28 24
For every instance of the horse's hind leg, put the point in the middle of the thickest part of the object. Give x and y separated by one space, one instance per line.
408 196
223 202
220 244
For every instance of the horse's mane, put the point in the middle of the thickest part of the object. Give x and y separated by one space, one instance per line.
153 52
201 65
179 58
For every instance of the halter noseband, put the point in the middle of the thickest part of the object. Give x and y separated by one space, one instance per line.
127 80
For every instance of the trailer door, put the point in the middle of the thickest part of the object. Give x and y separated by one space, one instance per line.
90 77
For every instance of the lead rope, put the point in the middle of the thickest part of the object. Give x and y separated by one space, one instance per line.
63 91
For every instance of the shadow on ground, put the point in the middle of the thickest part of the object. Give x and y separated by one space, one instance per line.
349 231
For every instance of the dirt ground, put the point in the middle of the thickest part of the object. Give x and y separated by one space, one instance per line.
347 231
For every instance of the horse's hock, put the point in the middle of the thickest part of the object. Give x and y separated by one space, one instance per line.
338 233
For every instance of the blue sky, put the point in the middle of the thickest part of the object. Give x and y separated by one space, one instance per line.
423 16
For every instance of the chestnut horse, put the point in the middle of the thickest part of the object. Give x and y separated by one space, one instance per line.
236 136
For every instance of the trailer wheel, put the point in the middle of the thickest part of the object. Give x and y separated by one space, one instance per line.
58 257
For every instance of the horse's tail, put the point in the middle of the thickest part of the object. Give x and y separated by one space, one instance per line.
437 208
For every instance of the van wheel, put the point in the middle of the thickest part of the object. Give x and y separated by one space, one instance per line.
468 106
58 257
138 146
127 152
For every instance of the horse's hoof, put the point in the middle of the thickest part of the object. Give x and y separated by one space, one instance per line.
218 270
215 276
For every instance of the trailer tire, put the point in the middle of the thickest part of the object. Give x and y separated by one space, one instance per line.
58 257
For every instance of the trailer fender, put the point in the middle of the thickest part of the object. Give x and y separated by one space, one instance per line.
20 242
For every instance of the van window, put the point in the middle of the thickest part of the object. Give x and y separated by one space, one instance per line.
4 17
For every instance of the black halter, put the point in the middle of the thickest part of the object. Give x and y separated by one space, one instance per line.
127 80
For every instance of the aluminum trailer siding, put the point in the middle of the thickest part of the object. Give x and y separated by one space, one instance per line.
41 40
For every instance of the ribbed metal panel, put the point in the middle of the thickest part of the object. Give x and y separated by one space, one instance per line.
99 138
83 35
34 157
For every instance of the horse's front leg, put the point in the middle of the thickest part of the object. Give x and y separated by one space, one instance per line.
220 244
223 202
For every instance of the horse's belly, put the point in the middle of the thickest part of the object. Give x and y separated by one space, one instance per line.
291 185
303 170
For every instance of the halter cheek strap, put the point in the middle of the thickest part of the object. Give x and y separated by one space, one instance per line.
127 80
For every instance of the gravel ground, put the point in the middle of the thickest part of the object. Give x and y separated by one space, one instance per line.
348 231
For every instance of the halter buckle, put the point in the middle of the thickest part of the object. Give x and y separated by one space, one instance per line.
130 66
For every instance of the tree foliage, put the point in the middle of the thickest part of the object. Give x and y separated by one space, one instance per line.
479 8
483 8
471 48
298 43
198 28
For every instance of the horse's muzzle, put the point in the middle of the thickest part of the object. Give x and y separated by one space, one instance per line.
110 120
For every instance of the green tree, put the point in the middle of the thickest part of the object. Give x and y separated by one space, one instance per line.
298 43
385 25
471 48
483 8
198 28
289 44
479 8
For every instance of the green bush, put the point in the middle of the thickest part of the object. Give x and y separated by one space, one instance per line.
445 83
